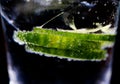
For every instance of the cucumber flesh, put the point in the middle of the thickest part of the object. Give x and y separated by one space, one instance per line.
65 44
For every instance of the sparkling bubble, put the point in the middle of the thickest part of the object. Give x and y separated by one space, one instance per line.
103 22
105 4
83 18
98 18
89 9
27 0
78 12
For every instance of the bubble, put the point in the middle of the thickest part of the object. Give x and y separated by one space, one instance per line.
78 12
98 18
89 9
27 0
96 12
105 4
103 22
11 21
59 1
83 18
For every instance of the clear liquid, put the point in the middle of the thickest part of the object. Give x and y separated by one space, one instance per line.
29 68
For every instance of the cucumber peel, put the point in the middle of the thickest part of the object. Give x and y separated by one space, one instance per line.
75 46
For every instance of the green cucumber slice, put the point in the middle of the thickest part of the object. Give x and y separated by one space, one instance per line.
65 44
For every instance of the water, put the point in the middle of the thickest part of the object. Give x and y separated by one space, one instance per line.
30 68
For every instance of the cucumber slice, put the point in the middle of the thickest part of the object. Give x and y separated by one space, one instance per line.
65 44
66 53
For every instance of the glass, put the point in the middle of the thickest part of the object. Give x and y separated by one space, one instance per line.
3 63
96 20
